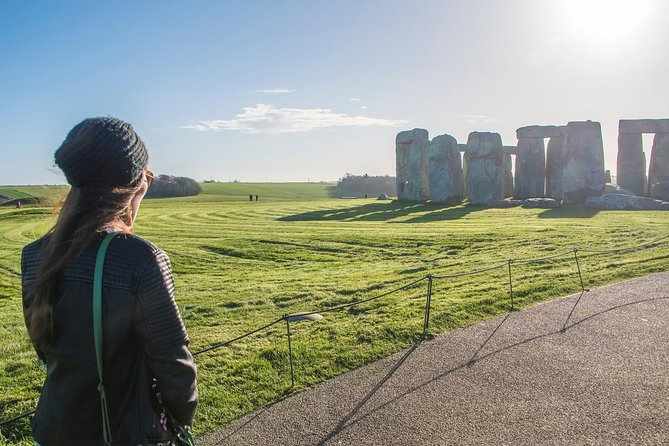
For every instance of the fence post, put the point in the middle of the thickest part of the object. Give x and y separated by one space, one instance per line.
290 352
428 301
578 268
511 285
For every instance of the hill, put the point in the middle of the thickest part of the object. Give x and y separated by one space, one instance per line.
43 195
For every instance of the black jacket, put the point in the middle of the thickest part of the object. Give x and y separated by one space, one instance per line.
144 339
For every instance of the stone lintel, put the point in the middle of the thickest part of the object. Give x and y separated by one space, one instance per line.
643 126
511 150
540 131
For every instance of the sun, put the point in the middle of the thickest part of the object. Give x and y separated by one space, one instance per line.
606 20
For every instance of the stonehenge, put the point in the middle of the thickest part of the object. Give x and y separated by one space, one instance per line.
530 169
569 168
445 175
631 163
582 161
485 168
411 165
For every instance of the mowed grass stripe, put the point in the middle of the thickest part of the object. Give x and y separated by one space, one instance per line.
239 265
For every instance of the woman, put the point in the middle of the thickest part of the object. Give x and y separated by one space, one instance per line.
144 340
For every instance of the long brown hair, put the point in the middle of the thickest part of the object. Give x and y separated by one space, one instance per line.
84 212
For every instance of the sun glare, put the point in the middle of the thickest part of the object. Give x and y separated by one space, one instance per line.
607 20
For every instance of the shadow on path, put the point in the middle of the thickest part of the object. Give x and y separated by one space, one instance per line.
342 426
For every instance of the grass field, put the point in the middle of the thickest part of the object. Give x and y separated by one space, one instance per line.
239 265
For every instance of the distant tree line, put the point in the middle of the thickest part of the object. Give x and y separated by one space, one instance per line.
367 184
171 186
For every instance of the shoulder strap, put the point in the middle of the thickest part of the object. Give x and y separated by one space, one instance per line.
97 331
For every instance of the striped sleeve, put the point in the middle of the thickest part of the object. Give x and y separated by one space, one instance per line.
158 319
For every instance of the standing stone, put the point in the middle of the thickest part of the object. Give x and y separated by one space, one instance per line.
508 175
485 168
554 167
659 161
410 156
530 168
631 166
583 173
447 183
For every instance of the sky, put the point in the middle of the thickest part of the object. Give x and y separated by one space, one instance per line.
310 90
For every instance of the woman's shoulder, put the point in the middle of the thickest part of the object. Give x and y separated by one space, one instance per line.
135 249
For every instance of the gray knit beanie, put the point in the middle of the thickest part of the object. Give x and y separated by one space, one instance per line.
102 152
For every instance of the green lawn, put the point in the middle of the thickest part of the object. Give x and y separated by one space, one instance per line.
239 265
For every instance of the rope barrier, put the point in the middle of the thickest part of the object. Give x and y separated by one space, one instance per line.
17 417
222 344
358 302
470 273
543 259
428 277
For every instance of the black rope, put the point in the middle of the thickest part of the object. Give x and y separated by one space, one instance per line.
543 259
222 344
17 417
358 302
470 273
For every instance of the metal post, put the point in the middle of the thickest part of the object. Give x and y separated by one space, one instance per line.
428 301
290 353
578 267
511 285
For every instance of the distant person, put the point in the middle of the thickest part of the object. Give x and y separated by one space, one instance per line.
18 204
144 341
256 198
250 197
365 195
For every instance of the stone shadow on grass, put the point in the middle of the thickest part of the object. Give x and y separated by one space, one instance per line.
388 211
573 211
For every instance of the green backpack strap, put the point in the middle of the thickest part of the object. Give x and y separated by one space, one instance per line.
97 332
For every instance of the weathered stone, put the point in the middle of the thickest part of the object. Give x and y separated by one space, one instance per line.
511 150
624 202
530 169
660 191
407 136
610 188
643 126
554 167
541 203
485 168
540 131
508 175
607 176
658 171
631 165
504 204
447 182
583 160
411 164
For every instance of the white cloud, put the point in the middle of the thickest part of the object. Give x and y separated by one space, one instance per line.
363 107
275 91
355 99
265 118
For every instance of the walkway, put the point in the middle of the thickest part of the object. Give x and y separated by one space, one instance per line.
556 373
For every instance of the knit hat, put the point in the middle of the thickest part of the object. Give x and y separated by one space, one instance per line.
102 152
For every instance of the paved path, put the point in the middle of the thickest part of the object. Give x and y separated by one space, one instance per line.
516 379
